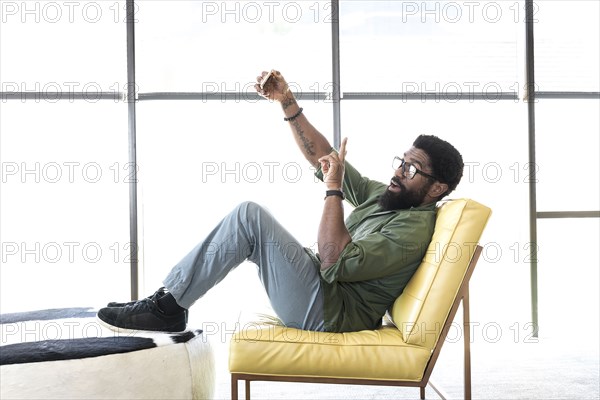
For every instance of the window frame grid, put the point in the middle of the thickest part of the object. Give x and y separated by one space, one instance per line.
131 97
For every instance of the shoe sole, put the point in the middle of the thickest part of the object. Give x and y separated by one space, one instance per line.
130 331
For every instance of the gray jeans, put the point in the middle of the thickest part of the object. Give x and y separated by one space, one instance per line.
286 270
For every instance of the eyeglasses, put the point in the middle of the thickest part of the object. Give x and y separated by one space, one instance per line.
408 169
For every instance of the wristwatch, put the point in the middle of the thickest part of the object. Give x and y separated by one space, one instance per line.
335 193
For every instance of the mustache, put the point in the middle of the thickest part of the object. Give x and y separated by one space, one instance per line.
396 180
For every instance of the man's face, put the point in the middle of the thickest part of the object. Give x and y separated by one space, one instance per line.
403 192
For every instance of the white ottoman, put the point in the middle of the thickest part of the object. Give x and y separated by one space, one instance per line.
67 354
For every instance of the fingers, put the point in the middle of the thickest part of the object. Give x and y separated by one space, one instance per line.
331 160
325 161
328 165
336 155
265 88
260 78
259 90
342 153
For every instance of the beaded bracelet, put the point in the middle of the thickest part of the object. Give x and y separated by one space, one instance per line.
293 117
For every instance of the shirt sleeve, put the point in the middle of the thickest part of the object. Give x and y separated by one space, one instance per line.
398 245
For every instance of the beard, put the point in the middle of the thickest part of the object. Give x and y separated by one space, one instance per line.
404 199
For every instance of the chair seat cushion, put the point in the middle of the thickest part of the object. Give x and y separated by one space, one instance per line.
282 351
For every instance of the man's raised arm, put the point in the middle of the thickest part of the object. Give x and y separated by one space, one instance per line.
310 141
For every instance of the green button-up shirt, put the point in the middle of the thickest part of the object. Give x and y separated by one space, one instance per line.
373 269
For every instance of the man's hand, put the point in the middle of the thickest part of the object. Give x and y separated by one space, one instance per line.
332 166
310 141
276 88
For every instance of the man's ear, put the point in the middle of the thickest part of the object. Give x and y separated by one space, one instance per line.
437 190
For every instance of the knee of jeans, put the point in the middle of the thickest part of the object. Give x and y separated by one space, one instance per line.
250 210
249 206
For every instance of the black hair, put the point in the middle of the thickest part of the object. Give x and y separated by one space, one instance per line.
445 161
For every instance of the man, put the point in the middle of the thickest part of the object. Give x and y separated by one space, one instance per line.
363 263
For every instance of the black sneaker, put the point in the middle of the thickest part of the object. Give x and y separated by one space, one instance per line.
159 292
143 315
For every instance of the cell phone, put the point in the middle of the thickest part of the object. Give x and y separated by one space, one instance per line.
265 79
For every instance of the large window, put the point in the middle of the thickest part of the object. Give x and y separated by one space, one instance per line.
567 43
213 47
567 156
71 47
567 65
404 46
63 149
204 141
65 173
197 63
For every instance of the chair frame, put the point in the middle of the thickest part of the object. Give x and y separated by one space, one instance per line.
461 297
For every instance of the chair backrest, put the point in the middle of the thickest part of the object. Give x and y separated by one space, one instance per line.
423 307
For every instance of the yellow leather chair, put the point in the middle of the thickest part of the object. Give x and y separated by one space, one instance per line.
401 353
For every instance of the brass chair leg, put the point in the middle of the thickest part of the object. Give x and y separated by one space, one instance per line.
467 338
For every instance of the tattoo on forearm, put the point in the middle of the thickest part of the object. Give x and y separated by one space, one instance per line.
308 145
288 102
